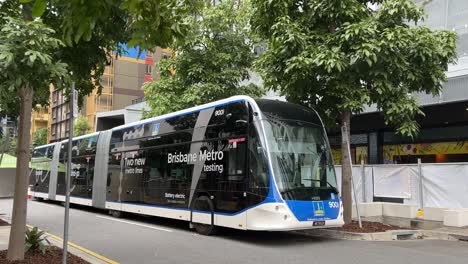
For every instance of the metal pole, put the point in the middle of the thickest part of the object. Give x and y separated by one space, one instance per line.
363 181
421 196
68 176
348 145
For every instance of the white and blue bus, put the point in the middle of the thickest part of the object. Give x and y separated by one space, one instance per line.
239 163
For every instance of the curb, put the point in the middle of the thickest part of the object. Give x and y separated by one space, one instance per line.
81 252
84 253
77 250
391 235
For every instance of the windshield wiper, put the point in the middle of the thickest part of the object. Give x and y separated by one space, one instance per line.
335 190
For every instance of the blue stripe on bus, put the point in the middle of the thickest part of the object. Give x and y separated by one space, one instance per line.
197 211
80 197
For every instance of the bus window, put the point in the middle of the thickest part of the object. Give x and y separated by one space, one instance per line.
134 164
113 176
259 177
183 122
174 138
229 171
50 152
39 152
86 146
228 121
154 177
82 176
167 180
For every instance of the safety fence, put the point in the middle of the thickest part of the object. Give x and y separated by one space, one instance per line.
441 185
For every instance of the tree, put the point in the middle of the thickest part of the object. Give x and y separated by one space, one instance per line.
33 55
81 126
40 137
11 150
213 63
25 65
339 56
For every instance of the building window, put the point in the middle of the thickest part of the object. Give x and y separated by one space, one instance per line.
149 69
165 56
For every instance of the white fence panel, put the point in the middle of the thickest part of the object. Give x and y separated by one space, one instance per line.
357 180
445 185
393 181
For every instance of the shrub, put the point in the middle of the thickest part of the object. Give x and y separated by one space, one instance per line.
35 240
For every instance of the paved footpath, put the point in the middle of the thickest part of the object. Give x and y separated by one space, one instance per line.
4 236
157 240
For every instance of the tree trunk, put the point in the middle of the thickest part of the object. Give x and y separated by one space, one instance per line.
346 168
18 227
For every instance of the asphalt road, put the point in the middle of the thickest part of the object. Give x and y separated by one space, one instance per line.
138 239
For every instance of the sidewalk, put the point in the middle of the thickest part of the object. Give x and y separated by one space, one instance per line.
4 237
443 233
74 249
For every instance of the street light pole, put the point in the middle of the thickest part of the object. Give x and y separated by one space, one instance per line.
68 175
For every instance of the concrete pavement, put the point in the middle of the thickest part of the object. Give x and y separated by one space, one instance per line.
157 240
4 237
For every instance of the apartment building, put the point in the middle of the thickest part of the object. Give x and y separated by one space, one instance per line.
121 87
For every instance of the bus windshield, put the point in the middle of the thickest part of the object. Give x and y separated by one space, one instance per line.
301 161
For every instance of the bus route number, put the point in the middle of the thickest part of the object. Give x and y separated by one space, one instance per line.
219 112
334 204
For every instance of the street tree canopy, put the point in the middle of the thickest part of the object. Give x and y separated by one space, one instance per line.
57 42
27 60
340 56
81 126
40 137
212 62
93 30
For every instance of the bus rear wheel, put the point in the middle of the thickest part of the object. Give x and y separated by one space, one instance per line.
116 214
206 230
203 203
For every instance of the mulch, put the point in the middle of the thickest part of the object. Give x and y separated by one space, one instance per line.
368 227
3 223
53 255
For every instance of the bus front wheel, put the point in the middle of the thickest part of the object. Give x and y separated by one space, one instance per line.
203 203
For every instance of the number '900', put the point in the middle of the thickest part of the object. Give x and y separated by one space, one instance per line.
333 204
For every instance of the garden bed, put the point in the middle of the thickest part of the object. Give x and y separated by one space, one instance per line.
368 227
53 255
3 223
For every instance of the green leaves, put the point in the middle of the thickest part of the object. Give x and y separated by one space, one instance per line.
81 126
40 137
35 240
26 60
39 8
213 62
341 56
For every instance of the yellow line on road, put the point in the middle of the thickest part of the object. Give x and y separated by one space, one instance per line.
92 253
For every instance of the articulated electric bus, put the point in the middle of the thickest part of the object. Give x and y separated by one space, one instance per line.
239 163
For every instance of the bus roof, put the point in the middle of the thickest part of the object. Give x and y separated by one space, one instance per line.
81 137
286 110
229 100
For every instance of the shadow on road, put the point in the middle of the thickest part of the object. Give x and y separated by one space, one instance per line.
259 238
270 239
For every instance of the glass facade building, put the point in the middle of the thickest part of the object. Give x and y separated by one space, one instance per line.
443 136
451 15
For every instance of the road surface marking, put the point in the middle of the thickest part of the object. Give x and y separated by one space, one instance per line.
133 223
71 244
48 205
